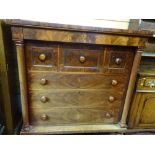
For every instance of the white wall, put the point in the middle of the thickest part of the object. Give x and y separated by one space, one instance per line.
119 24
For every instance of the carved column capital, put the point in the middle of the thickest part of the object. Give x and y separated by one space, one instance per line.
140 49
17 34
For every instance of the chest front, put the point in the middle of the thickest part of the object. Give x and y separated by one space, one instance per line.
74 81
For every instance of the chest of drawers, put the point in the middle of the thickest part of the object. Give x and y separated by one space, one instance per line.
75 79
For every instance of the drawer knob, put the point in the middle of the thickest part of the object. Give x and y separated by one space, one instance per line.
142 81
43 81
42 57
111 98
43 99
82 59
107 115
44 117
114 82
118 61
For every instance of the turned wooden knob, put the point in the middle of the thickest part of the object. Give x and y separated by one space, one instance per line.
118 61
82 59
114 82
43 99
111 98
43 81
42 57
107 115
44 117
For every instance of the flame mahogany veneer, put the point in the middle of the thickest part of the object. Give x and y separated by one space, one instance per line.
75 79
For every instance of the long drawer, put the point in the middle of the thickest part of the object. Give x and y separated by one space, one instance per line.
75 98
68 116
48 80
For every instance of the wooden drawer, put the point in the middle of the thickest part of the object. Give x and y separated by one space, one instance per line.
118 60
46 80
80 58
75 98
70 116
146 84
42 57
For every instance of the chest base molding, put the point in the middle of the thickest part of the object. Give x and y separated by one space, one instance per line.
73 129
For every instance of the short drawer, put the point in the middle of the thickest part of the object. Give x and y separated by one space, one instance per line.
42 57
75 98
80 58
118 60
58 116
46 80
146 83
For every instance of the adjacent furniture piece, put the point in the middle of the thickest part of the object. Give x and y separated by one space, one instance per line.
9 87
2 127
75 79
142 114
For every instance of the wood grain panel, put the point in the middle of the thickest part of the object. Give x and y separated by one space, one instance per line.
70 58
125 54
75 98
75 81
45 25
148 112
82 37
142 113
33 52
68 116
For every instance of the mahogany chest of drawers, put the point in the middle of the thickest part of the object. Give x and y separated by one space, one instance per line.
75 79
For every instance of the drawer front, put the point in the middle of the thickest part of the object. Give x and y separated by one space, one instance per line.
42 57
118 60
47 80
58 116
78 58
75 98
81 59
146 83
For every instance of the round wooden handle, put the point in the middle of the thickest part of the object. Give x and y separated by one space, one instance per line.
44 117
82 59
43 81
111 98
42 57
118 61
43 99
114 82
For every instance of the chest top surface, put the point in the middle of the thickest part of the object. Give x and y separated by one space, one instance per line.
29 30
